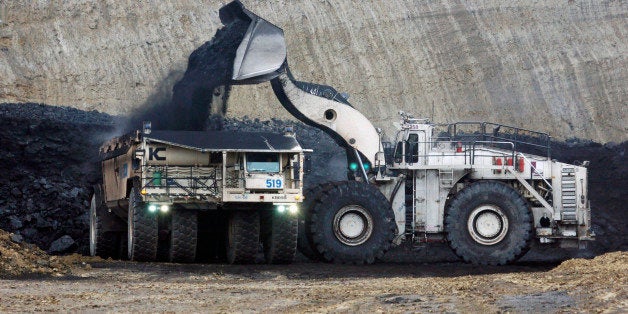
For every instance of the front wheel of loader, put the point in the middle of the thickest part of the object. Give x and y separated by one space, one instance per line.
305 244
243 236
142 230
279 237
488 223
102 243
352 222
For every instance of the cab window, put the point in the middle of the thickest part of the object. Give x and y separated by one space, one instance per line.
412 148
262 162
398 152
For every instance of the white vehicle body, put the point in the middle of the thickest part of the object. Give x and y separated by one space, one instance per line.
440 166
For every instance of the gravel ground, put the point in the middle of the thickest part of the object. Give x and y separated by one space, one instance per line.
597 285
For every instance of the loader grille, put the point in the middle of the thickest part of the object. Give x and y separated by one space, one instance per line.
568 195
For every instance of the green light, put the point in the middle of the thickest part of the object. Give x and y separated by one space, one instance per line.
353 166
367 167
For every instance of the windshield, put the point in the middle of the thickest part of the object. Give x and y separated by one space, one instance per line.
262 162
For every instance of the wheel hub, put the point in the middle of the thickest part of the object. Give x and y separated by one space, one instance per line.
353 225
487 224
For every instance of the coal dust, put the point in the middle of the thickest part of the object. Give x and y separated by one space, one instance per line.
199 99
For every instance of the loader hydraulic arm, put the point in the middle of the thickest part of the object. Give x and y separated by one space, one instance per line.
262 56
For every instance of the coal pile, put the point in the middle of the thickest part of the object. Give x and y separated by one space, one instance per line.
608 188
49 162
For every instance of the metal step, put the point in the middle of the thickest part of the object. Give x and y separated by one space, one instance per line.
409 202
446 177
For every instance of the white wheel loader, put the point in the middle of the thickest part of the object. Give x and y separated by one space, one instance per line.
488 190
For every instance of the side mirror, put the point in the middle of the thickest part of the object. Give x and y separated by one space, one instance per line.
136 163
307 164
296 168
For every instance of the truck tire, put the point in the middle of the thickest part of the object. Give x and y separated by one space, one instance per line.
305 245
352 222
101 242
123 246
279 237
489 223
142 230
183 236
243 233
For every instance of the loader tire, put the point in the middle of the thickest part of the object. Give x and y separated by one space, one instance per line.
183 236
488 223
352 222
279 237
305 245
102 243
142 230
243 237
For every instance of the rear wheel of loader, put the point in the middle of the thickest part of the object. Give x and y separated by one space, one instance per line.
142 230
183 236
243 233
279 237
352 222
489 223
102 243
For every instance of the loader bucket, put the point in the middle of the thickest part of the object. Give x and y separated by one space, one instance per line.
262 53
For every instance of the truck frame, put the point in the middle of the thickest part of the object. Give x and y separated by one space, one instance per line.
156 182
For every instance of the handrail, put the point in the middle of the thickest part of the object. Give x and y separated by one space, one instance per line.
524 137
501 143
535 171
467 154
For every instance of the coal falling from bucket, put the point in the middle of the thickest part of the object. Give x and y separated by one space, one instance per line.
199 98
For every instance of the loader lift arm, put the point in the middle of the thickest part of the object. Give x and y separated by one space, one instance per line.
262 55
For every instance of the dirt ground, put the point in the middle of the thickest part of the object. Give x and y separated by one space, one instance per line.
578 285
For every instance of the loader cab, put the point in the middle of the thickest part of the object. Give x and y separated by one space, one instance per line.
412 142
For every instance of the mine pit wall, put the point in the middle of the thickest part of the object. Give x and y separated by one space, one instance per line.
558 66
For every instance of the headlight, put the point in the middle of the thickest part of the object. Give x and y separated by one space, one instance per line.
293 209
164 208
152 208
281 208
